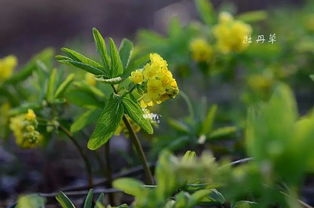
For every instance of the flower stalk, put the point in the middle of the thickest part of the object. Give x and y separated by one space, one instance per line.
139 149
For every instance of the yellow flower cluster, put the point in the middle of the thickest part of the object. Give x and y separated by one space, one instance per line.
201 50
24 129
7 65
158 81
231 34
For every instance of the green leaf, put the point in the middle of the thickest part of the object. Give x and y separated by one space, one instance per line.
129 186
116 63
100 201
107 123
244 204
165 176
221 132
252 16
197 197
89 199
217 196
125 51
82 98
101 48
31 201
182 199
135 112
75 56
64 85
85 119
207 125
26 71
23 108
270 128
88 68
136 64
179 126
51 85
64 201
205 10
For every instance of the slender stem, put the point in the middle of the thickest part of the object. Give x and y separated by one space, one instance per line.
137 144
108 172
80 193
88 166
129 173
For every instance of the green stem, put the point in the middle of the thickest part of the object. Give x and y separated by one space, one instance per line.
138 147
88 166
137 144
108 172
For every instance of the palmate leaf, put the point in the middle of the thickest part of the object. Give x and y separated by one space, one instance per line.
64 85
107 123
135 112
85 119
80 58
86 67
51 85
116 63
101 48
76 59
125 51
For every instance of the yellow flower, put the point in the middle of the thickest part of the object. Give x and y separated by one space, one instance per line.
7 65
24 129
158 60
31 116
201 50
90 79
154 89
137 77
158 82
231 34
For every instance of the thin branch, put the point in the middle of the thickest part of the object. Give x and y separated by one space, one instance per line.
108 172
244 160
80 193
132 172
88 166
